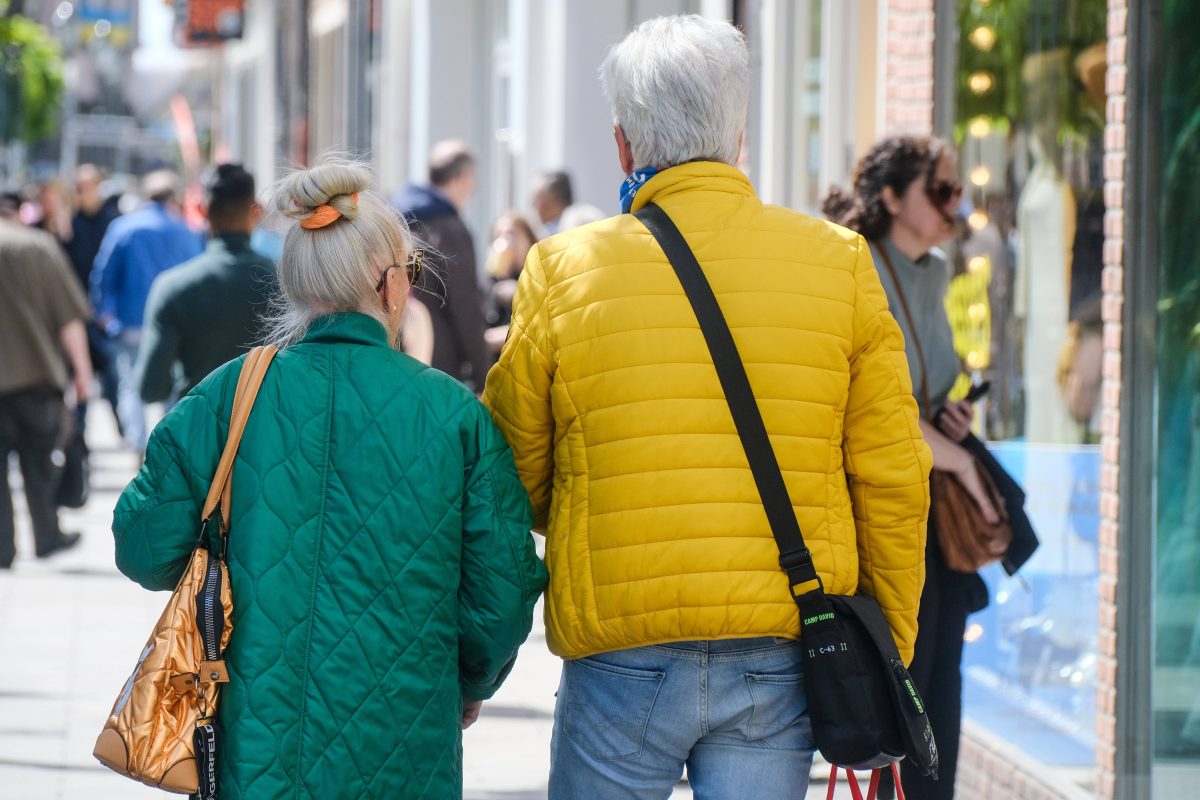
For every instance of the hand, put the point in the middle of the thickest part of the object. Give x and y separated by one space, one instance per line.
955 419
470 712
83 386
494 338
968 476
108 324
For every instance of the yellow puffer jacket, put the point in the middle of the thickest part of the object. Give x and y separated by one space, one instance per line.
606 391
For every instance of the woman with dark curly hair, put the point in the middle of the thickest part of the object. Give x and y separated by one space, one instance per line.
905 194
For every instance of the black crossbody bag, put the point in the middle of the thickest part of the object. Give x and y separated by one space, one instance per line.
866 713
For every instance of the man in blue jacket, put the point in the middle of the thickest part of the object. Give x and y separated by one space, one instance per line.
135 249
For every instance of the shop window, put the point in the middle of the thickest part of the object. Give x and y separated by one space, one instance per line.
1025 308
1175 167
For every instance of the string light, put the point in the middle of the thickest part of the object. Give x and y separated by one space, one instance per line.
980 82
981 175
978 220
983 37
978 264
976 360
980 127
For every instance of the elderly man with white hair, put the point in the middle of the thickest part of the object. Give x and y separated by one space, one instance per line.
667 601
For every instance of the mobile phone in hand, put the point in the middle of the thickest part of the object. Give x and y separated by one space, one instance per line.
977 391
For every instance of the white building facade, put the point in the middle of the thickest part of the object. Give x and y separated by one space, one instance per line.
518 80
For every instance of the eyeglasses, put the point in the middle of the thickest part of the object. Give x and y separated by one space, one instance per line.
943 192
413 266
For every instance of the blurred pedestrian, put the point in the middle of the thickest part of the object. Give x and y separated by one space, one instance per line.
512 239
450 283
42 314
211 309
578 215
10 205
906 191
551 197
666 594
55 211
93 213
380 555
136 248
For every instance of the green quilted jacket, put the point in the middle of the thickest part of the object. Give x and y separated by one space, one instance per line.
381 560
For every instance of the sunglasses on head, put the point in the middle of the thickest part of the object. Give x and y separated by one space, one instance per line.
413 266
943 192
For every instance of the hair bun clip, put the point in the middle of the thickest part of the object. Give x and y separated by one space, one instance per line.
323 215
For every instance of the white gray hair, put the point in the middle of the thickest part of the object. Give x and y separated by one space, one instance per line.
679 88
333 268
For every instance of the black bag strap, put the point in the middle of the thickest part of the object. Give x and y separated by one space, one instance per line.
794 556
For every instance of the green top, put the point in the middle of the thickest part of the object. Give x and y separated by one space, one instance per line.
924 283
380 560
203 313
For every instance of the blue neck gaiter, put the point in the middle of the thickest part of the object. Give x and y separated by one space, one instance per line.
631 185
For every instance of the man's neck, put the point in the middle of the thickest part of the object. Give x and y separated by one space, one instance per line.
453 195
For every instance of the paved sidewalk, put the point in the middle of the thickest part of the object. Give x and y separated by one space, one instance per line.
72 626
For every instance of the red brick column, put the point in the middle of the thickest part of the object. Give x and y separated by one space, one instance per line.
909 52
1110 426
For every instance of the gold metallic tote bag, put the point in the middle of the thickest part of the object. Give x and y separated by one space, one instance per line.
162 730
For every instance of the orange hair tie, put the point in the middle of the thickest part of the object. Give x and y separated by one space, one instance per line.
323 215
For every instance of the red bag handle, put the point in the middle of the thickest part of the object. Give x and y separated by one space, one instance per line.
872 788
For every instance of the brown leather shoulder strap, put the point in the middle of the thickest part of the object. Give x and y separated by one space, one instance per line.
912 329
254 368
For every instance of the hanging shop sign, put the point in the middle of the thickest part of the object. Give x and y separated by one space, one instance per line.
210 22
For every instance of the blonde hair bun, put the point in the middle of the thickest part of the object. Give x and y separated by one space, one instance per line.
333 266
332 184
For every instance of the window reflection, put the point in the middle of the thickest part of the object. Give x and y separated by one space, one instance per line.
1025 308
1176 677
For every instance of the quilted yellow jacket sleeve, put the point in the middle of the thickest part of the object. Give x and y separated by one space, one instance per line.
889 478
519 392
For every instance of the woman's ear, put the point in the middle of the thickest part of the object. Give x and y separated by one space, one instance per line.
890 201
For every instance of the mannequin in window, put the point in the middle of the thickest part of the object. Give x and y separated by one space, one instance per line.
1046 223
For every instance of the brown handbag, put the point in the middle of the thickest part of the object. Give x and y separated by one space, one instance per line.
968 541
161 730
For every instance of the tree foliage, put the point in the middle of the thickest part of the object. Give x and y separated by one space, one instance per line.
31 81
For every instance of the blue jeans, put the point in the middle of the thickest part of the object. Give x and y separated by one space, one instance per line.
130 408
733 711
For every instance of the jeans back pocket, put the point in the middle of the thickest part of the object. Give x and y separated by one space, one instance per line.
780 711
608 707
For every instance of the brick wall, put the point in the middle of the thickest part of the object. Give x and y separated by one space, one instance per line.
1110 426
992 769
909 51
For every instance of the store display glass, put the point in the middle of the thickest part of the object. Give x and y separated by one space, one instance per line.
1025 308
1176 675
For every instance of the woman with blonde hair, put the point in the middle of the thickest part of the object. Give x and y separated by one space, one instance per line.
381 563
